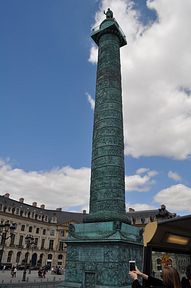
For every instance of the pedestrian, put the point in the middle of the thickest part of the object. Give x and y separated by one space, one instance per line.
170 278
40 273
15 272
12 271
44 273
186 282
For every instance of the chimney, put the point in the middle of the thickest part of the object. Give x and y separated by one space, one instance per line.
131 210
7 195
42 206
34 204
58 209
21 200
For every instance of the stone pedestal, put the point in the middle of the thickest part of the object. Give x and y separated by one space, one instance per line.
98 255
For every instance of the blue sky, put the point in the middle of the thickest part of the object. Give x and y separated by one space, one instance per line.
47 92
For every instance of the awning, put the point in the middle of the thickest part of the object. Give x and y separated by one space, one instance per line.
173 235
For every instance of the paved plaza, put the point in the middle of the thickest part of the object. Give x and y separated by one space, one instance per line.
32 280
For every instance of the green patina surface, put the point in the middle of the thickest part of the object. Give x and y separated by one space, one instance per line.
99 250
107 190
99 254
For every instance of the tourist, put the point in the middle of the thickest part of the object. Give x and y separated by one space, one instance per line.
15 272
12 271
186 282
170 278
40 273
44 272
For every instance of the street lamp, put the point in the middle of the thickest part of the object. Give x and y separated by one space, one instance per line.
6 232
29 241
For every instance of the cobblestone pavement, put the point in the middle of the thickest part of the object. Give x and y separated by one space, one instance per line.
32 280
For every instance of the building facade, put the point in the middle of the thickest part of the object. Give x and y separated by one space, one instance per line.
141 218
49 229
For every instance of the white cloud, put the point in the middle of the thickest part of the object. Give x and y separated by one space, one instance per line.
91 101
142 170
64 187
176 197
174 176
152 173
93 54
156 68
140 183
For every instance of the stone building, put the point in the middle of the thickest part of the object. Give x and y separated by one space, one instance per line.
49 229
141 218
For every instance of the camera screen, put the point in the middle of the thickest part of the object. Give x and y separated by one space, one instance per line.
131 265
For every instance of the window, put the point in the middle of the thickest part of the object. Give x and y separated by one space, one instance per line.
42 243
36 241
30 229
151 218
51 244
40 259
18 257
54 219
10 254
21 241
159 264
60 256
52 232
37 230
49 256
23 228
61 246
62 233
12 240
142 220
26 257
44 232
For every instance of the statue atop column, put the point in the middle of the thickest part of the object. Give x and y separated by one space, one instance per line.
109 13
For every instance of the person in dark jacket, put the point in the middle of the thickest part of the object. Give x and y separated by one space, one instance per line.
186 282
170 279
